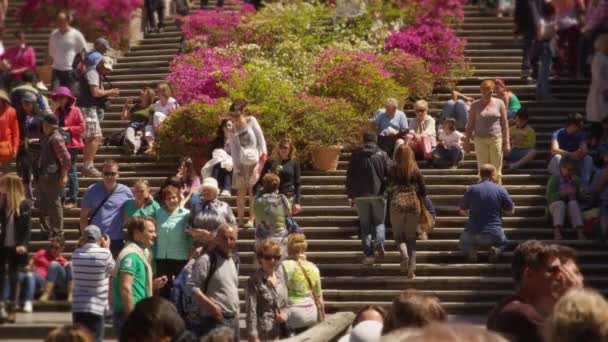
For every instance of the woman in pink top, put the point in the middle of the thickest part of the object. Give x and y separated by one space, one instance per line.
17 59
52 269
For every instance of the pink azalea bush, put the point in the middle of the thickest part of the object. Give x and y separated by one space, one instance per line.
432 41
358 77
197 76
216 27
109 17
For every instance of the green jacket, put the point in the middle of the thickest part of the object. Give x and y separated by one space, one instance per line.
552 192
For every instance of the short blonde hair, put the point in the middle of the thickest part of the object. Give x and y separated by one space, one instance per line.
165 89
580 315
267 245
421 103
296 244
141 183
488 84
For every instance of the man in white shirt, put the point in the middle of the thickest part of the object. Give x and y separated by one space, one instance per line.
64 44
92 265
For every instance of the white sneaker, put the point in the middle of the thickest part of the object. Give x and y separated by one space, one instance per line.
28 307
225 193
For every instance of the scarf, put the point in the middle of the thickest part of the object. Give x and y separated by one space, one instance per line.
131 248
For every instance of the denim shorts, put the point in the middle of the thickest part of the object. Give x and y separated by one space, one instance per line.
516 154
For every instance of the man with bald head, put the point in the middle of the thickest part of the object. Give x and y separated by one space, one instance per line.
64 44
214 286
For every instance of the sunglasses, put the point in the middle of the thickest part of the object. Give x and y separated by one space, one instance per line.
418 110
110 174
271 257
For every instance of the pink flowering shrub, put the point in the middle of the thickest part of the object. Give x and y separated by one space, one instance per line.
411 72
358 77
434 42
448 11
197 76
109 17
216 27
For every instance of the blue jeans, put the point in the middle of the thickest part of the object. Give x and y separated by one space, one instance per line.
457 110
204 325
223 177
27 285
118 320
371 211
469 241
516 154
543 51
116 246
93 322
70 192
60 275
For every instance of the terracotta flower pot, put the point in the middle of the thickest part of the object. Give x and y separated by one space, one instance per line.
325 158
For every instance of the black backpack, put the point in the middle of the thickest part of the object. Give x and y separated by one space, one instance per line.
116 139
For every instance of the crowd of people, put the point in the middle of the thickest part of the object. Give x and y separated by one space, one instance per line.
169 261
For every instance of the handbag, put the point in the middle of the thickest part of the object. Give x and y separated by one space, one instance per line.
249 155
427 223
315 297
292 225
405 199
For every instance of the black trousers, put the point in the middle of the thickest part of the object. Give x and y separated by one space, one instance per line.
169 268
158 7
10 262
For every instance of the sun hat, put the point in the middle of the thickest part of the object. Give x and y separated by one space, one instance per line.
62 91
91 233
108 62
210 183
4 96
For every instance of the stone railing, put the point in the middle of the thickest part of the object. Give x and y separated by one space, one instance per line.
331 329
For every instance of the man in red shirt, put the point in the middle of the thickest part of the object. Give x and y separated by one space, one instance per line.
52 270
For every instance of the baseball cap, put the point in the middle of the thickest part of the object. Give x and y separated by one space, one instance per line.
92 233
50 119
108 62
103 42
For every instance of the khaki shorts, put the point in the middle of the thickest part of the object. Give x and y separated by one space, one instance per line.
245 177
91 120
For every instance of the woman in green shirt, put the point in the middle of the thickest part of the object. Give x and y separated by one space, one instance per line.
172 240
143 204
138 115
507 96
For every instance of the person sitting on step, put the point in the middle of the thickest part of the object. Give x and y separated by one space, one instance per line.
162 108
138 115
190 179
389 123
523 140
53 270
449 150
509 99
562 195
422 135
570 141
220 163
457 108
484 203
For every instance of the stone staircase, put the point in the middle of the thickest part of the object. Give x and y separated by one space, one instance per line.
465 289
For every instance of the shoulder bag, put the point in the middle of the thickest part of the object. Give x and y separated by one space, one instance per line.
315 297
405 199
96 210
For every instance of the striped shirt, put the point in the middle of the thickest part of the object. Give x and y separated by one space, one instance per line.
91 269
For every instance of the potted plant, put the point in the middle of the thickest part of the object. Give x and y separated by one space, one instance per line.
322 127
